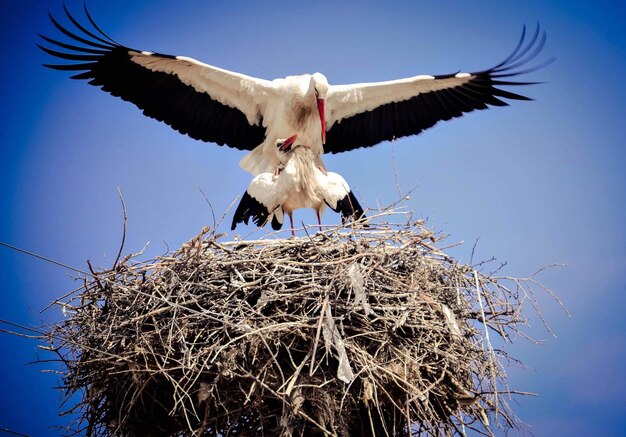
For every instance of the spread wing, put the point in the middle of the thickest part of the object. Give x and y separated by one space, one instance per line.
362 115
262 202
205 102
336 193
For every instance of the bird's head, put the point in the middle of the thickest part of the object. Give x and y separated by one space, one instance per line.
319 83
284 144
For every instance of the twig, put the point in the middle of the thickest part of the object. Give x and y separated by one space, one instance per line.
119 253
65 266
214 338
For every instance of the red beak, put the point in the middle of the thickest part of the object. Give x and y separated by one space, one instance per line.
320 108
289 141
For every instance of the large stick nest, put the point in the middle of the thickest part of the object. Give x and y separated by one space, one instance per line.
347 332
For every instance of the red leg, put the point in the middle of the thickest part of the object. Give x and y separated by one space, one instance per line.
319 219
293 232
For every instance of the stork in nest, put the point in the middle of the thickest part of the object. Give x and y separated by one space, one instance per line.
299 181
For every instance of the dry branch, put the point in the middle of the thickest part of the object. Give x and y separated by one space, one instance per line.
349 332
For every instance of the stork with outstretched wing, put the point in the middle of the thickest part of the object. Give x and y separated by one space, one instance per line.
228 108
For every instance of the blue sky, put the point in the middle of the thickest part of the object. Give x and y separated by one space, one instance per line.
539 183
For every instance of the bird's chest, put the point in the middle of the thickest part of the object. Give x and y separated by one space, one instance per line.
302 115
301 199
295 115
300 186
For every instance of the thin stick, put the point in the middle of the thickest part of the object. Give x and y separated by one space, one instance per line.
65 266
216 338
119 253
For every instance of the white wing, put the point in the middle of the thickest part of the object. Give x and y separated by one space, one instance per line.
262 202
231 89
365 114
332 187
267 190
348 100
205 102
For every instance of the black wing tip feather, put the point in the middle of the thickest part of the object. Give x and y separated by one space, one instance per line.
96 27
349 208
276 224
249 208
90 54
354 210
91 44
412 116
525 51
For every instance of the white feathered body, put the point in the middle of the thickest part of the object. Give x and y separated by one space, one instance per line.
298 183
291 108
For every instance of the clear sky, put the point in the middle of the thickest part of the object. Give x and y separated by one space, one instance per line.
539 183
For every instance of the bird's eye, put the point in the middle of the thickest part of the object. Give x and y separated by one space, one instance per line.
280 144
317 93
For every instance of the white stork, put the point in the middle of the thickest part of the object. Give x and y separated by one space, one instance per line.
298 182
227 108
